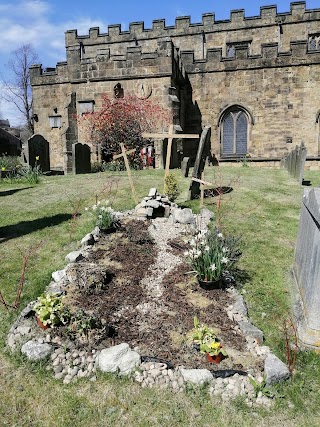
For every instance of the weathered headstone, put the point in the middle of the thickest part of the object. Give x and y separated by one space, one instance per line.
194 189
185 165
306 270
38 152
81 158
295 162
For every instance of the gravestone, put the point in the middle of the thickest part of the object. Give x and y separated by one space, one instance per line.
38 152
194 189
185 165
306 270
81 155
295 162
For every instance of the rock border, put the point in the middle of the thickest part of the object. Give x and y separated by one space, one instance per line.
69 365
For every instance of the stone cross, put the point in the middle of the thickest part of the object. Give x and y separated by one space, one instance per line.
124 155
170 135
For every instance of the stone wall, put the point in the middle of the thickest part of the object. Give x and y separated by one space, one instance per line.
272 76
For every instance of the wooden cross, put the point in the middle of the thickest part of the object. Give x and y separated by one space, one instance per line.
170 135
124 155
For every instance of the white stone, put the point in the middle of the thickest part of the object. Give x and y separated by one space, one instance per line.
36 351
196 376
119 357
88 240
58 275
275 370
74 256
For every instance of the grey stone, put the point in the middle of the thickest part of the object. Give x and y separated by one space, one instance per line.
59 375
74 256
24 330
119 357
36 351
152 192
275 370
149 212
196 376
240 306
58 275
88 240
183 216
251 331
153 204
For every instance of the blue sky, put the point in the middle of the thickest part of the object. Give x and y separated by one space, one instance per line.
42 23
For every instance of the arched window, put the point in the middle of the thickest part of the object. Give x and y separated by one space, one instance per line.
234 133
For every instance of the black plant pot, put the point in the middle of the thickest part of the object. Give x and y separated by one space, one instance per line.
209 286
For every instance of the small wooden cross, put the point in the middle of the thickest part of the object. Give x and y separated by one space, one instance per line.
170 135
124 155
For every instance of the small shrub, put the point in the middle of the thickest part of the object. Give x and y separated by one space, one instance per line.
171 186
30 174
9 163
113 166
96 167
104 215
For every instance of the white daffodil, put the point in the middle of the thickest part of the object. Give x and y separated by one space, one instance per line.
213 267
94 207
220 235
186 253
224 250
207 248
224 260
86 209
98 202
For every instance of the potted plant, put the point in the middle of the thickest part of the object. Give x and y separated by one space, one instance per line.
50 311
211 255
206 341
105 217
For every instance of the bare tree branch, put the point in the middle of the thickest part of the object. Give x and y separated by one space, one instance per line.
17 90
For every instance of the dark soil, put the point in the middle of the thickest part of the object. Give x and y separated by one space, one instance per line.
161 331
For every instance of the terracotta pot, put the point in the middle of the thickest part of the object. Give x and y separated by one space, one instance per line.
215 359
42 326
208 286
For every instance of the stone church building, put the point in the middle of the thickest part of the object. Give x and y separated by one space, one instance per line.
254 80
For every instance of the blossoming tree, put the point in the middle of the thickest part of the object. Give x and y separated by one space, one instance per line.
123 120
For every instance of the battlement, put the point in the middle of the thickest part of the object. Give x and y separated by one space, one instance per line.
105 65
183 26
269 57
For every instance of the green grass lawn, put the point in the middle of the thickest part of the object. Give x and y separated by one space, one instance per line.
263 208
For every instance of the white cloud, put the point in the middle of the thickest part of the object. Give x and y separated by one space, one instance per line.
34 22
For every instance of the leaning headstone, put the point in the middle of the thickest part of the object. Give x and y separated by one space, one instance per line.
38 152
194 189
185 165
301 163
81 162
306 270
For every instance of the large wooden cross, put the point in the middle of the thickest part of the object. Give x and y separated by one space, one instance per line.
124 155
170 135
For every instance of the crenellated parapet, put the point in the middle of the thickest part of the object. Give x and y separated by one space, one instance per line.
133 63
270 57
183 26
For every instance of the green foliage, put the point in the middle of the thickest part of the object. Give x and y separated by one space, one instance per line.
212 254
82 323
260 387
105 217
51 311
9 163
31 174
206 338
113 166
171 186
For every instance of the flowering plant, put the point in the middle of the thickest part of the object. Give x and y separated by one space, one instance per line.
104 215
207 340
212 254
